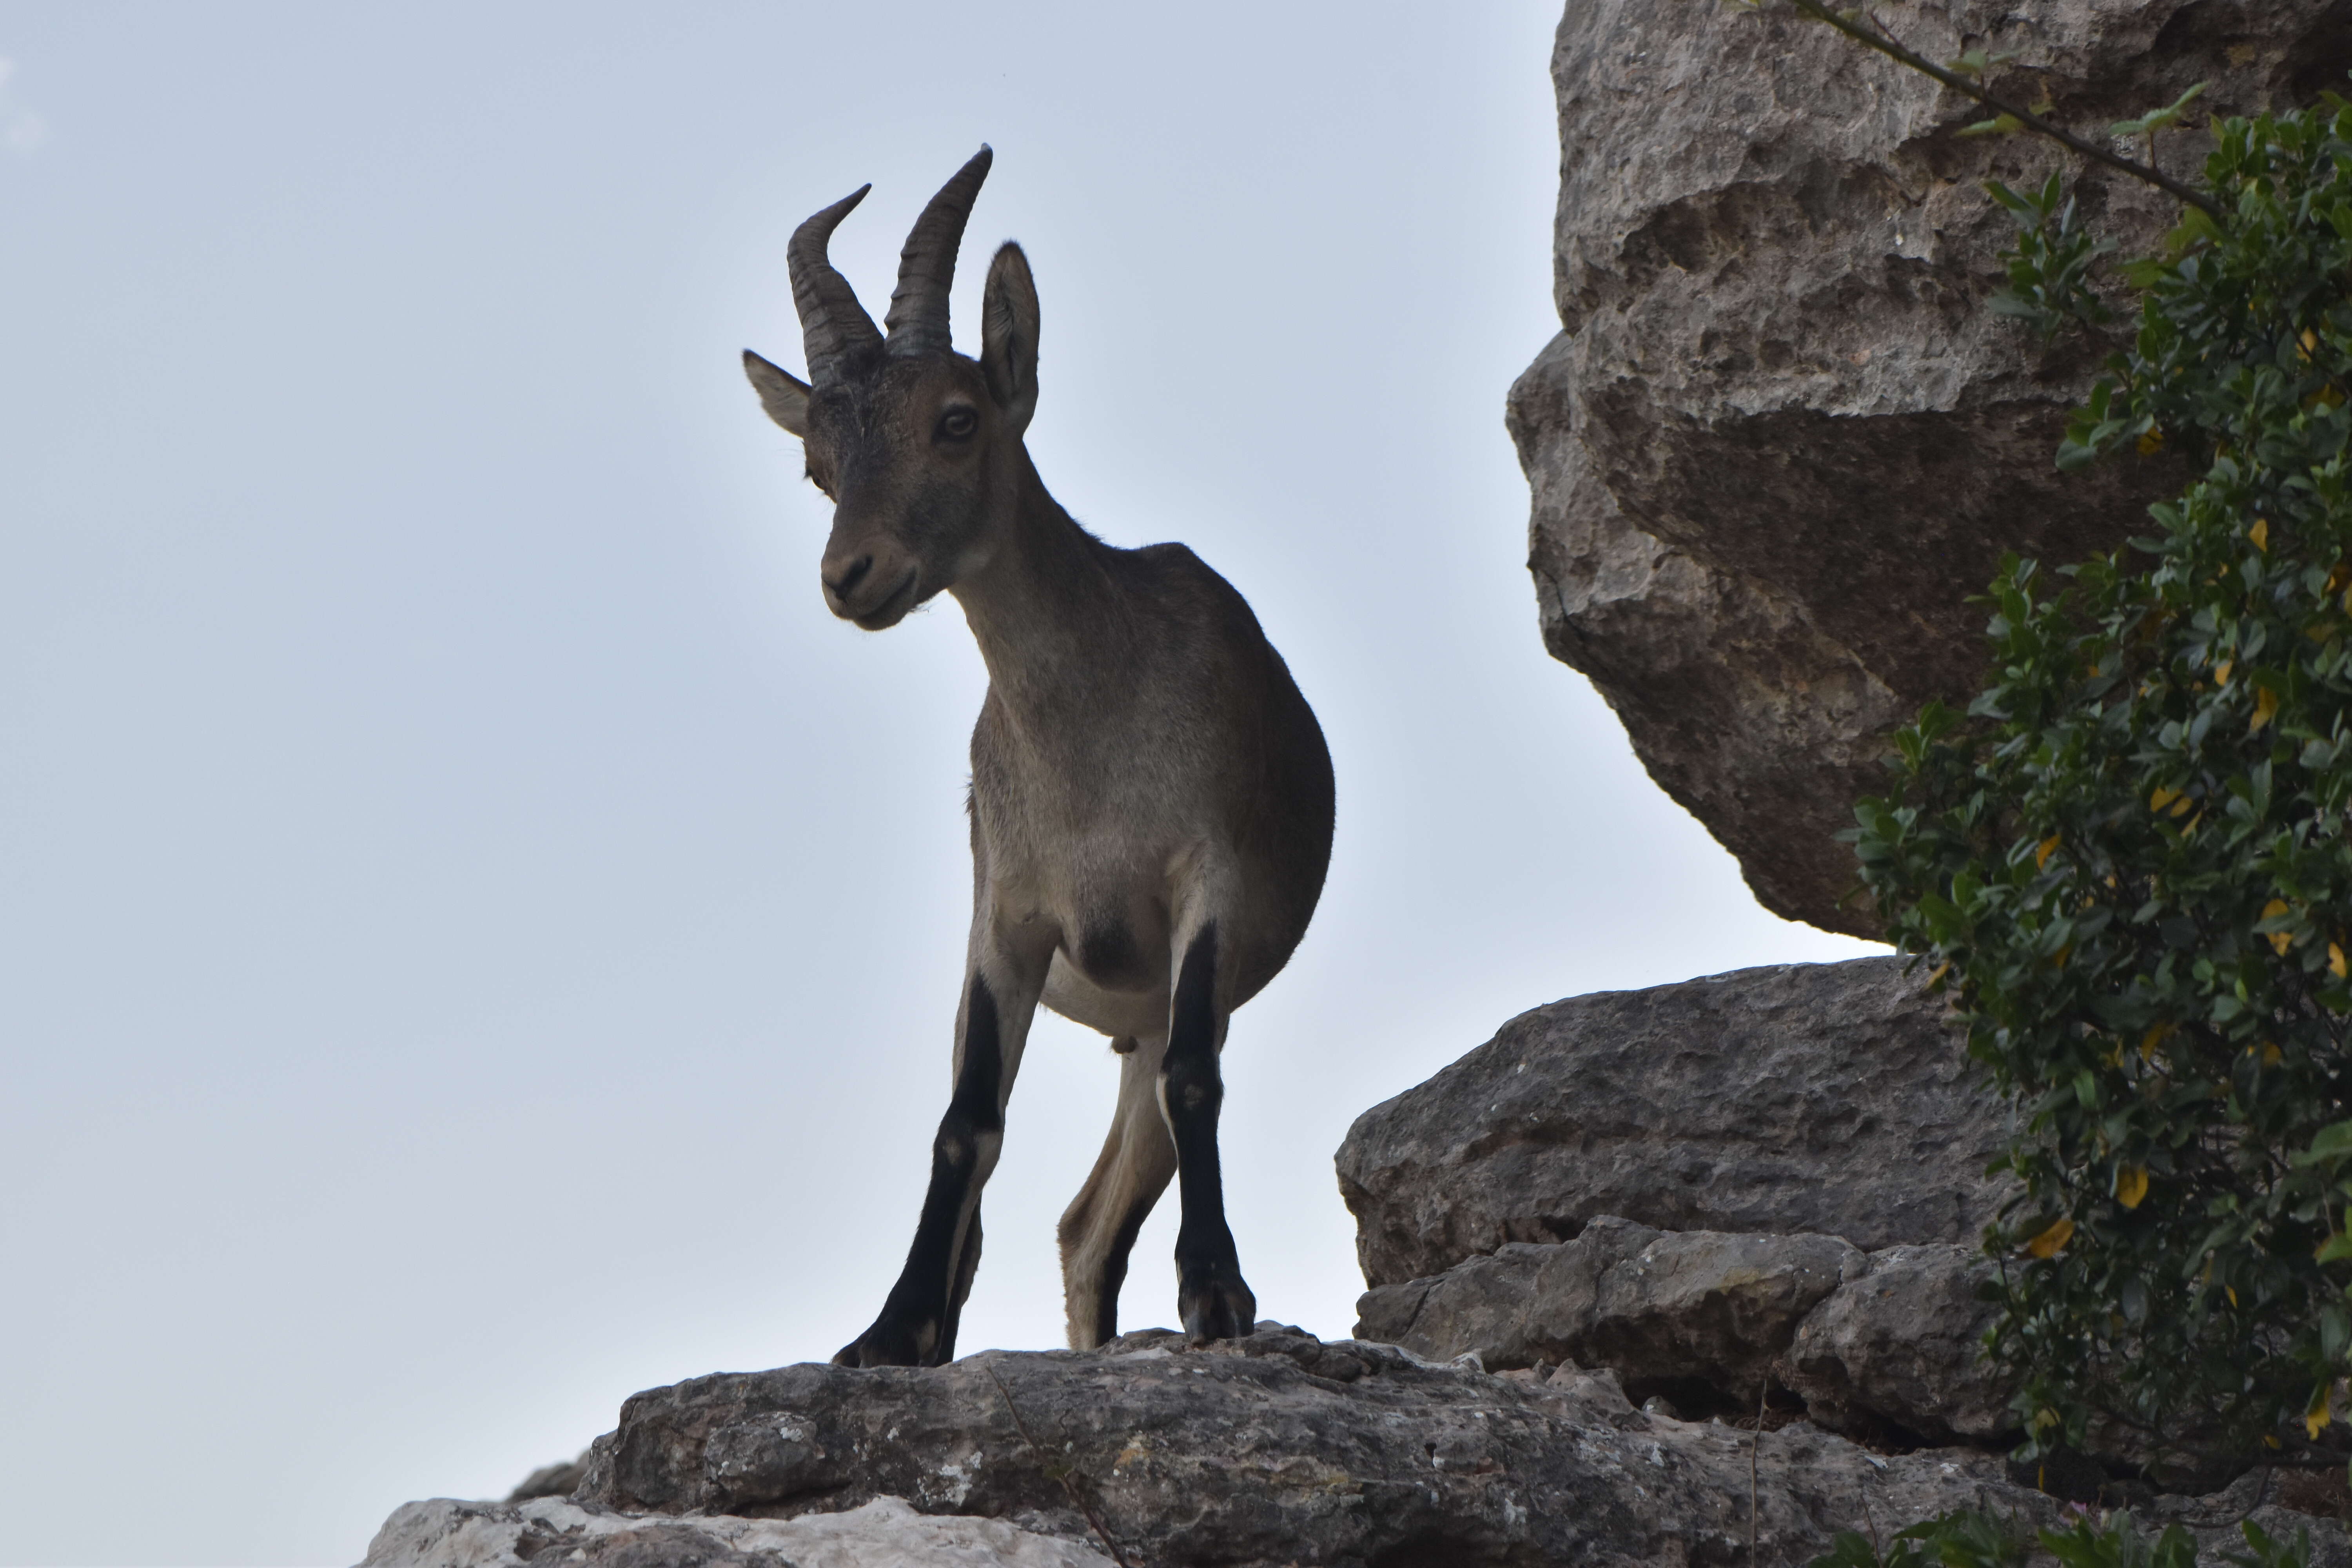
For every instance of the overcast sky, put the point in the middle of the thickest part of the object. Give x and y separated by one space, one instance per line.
476 937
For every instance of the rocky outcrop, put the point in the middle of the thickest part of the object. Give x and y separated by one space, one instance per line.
1799 1154
1273 1449
1780 440
1897 1351
1694 1315
1830 1100
551 1481
883 1533
1880 1346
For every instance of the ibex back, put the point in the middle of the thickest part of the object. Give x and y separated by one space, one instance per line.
1151 796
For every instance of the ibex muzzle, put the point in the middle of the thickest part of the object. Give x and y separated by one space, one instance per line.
1151 796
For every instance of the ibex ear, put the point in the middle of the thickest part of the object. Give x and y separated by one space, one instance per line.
1008 336
780 394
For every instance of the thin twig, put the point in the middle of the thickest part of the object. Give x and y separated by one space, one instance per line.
2260 1488
1755 1441
1877 37
1068 1477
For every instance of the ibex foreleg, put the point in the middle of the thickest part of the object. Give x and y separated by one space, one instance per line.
1210 1295
918 1323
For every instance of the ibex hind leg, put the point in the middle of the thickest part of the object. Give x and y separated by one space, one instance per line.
1098 1229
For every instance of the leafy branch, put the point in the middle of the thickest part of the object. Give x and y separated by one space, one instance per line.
1868 31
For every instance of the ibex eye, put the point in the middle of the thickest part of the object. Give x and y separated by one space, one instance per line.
958 423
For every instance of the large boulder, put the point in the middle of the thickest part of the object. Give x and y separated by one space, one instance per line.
1827 1098
1898 1351
1780 440
1881 1346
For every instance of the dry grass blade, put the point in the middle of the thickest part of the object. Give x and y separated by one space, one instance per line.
1755 1441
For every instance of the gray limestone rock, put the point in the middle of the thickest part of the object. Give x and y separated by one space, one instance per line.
882 1533
1880 1346
1780 440
1700 1316
1830 1098
550 1480
1896 1351
1273 1449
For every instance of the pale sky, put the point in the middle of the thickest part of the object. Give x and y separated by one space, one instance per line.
476 937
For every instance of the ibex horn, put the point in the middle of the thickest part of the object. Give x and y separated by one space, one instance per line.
918 306
834 325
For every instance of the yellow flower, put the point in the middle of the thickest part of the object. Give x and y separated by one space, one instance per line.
2131 1185
2052 1240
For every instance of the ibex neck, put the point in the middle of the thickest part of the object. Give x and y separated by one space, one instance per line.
1043 608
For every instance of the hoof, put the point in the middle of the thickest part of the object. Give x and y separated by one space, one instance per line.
888 1344
1216 1306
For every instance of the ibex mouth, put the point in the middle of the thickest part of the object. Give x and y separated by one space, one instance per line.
893 609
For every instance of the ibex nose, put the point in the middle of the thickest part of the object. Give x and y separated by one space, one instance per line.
840 581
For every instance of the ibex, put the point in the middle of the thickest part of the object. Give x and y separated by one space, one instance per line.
1151 796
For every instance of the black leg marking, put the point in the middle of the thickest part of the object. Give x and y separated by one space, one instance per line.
1214 1302
967 1265
918 1324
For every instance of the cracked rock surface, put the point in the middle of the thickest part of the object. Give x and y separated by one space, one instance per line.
884 1533
1276 1448
1270 1451
1881 1346
1780 441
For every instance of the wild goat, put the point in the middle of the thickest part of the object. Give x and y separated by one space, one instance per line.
1151 796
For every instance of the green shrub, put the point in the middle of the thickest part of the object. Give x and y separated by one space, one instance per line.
2130 861
1970 1537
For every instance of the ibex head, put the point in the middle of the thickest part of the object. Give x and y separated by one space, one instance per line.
919 446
